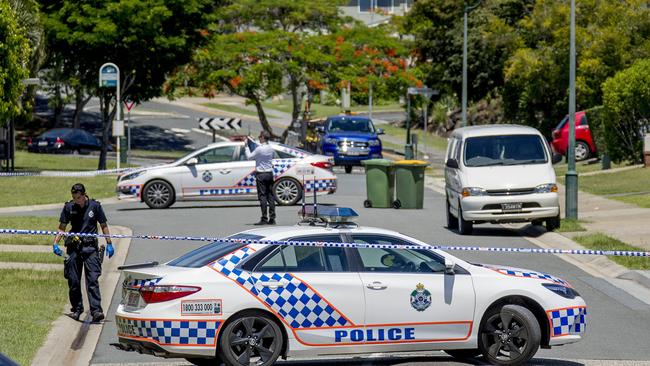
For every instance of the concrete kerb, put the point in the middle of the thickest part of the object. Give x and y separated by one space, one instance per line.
50 206
72 343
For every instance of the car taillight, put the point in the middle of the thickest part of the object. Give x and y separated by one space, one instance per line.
29 141
59 141
323 165
159 293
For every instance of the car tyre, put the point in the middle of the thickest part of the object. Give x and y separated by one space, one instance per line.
464 227
251 338
463 354
509 335
367 204
158 194
287 191
553 223
452 222
348 169
582 151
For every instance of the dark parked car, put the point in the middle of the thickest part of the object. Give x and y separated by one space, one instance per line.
64 140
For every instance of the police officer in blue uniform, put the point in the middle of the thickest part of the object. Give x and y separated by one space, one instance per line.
83 252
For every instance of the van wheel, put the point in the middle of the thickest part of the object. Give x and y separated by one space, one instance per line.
553 223
464 227
452 222
581 151
509 335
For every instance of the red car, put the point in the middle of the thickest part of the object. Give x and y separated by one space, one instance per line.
584 147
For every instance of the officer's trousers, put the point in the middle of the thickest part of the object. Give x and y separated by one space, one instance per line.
265 194
92 266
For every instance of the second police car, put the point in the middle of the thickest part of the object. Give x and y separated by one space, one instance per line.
247 302
221 171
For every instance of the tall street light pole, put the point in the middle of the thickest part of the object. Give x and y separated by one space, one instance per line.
572 174
465 12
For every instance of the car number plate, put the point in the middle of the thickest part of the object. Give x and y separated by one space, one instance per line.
133 298
511 207
42 143
201 307
354 152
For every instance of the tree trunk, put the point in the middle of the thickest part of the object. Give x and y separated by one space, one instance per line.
80 103
58 105
296 97
262 116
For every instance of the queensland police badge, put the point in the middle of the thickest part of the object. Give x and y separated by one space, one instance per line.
207 176
420 298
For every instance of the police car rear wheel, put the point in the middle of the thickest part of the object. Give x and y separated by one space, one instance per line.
158 194
510 335
251 339
287 191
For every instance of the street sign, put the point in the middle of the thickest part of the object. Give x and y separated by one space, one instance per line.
108 76
129 104
427 92
219 123
118 128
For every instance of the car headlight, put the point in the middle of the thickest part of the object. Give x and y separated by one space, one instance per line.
546 188
564 291
330 140
473 191
131 176
374 142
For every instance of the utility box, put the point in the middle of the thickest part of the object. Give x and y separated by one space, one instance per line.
646 150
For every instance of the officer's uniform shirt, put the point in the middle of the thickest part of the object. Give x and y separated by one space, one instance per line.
83 219
263 155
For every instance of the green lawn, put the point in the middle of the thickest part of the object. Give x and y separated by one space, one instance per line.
570 225
628 181
234 109
432 141
31 301
31 257
600 241
171 154
20 191
28 222
320 111
561 168
26 161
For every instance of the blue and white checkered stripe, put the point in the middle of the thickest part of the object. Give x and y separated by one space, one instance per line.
134 189
144 282
294 152
171 332
248 181
295 302
320 184
568 321
280 166
617 253
530 274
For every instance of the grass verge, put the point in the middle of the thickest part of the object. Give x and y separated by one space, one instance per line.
234 109
31 301
22 191
28 222
24 257
26 161
631 185
600 241
432 141
561 169
171 154
570 225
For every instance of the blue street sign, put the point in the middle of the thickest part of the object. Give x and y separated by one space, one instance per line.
108 75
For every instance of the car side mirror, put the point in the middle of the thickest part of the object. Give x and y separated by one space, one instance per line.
452 163
556 158
449 266
320 129
380 131
192 161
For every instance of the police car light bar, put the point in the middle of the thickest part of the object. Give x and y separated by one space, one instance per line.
328 214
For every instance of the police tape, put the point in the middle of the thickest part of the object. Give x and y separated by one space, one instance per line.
616 253
58 173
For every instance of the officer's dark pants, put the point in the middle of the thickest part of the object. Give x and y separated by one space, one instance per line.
265 195
88 259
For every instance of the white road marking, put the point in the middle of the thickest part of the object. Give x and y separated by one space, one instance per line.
180 130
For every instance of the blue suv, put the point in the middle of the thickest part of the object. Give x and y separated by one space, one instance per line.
350 139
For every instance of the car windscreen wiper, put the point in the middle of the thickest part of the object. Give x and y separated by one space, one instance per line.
492 163
529 161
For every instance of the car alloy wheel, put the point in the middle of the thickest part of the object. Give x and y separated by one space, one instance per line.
287 191
251 339
509 336
581 151
158 194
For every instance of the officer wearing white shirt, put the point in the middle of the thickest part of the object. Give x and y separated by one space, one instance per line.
263 155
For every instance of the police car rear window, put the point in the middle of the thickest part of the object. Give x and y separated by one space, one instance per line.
210 252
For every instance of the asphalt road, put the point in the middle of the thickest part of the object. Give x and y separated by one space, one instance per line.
618 325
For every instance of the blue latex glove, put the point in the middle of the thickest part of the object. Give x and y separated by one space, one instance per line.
56 250
109 250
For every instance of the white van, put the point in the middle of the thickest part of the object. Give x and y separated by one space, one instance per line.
500 174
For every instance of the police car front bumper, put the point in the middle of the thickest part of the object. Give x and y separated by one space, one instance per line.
129 191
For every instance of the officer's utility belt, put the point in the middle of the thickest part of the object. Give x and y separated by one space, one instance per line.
75 241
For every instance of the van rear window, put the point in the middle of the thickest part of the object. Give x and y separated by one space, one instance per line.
504 150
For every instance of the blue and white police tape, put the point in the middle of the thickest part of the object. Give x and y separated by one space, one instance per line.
617 253
57 173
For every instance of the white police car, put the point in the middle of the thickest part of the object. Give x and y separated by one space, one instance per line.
249 303
221 171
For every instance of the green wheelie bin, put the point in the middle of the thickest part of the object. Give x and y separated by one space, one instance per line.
379 183
409 183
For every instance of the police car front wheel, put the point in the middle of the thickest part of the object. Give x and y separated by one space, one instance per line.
158 194
251 338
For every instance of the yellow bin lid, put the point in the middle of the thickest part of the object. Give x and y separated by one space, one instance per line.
411 162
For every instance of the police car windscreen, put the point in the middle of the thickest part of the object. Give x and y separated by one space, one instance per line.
210 252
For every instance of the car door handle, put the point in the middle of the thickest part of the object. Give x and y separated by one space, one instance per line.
225 171
376 286
272 284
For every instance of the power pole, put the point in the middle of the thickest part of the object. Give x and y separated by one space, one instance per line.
467 10
572 174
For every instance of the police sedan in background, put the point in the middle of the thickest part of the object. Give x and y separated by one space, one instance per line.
221 171
252 299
